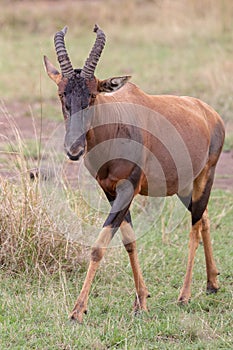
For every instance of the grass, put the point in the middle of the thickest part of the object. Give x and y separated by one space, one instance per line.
34 308
29 149
42 273
170 52
228 144
29 238
182 47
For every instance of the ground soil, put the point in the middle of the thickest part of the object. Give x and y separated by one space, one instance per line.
27 127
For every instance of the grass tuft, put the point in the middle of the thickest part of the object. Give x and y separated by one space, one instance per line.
29 238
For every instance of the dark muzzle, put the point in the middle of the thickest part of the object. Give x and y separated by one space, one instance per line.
76 149
75 157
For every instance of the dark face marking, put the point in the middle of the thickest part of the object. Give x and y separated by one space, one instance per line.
75 102
77 95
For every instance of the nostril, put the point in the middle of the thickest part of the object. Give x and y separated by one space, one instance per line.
75 150
75 147
72 148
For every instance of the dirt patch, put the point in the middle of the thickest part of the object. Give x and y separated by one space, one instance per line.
20 115
224 172
31 129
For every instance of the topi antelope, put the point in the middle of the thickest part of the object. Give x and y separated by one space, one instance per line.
134 143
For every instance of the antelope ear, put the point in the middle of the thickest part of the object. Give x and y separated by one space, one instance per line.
52 71
112 84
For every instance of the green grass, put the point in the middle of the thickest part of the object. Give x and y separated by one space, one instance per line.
182 47
166 50
228 144
29 149
34 308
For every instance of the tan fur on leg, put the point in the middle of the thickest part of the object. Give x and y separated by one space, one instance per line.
194 238
211 269
129 241
97 253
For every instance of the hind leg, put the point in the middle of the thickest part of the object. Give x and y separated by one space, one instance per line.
200 196
211 269
194 237
129 241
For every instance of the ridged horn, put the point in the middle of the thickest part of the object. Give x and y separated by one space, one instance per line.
62 55
94 56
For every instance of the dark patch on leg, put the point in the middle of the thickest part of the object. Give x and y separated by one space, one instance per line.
128 218
111 199
187 201
135 176
97 254
199 206
129 247
217 140
115 219
125 191
111 216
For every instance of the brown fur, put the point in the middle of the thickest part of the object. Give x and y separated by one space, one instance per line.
200 129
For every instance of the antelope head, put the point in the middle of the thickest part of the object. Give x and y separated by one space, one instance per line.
78 89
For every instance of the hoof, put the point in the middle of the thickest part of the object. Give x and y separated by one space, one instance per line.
212 287
182 300
77 316
211 290
139 311
140 304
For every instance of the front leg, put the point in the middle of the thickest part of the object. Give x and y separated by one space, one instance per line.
129 240
97 253
125 194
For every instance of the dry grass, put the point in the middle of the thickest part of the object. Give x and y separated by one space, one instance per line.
29 238
212 14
